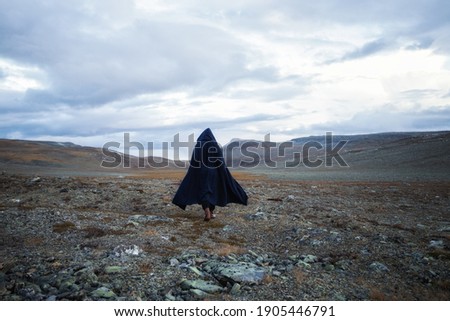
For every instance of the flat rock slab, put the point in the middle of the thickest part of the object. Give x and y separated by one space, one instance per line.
103 293
205 286
241 272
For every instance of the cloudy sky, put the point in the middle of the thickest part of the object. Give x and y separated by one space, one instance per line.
89 71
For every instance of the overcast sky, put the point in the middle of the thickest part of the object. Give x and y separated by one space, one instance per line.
88 71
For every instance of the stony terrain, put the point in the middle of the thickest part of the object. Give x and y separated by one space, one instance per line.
120 238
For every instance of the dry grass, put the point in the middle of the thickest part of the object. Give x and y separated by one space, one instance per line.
339 223
94 231
224 249
215 224
298 275
440 254
178 174
268 279
82 217
33 241
376 295
150 232
400 226
172 174
56 265
145 268
165 250
183 215
63 227
196 230
236 240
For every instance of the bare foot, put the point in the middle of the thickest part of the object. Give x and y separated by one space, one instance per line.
207 214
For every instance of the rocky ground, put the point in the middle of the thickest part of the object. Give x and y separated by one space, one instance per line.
120 238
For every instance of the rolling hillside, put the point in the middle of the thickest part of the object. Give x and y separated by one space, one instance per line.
67 158
383 156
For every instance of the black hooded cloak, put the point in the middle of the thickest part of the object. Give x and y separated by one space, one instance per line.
208 180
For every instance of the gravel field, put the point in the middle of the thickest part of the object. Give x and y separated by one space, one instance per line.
120 238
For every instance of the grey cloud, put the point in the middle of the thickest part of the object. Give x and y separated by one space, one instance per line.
9 101
420 43
384 44
69 121
386 120
97 53
220 123
419 15
89 62
285 88
414 25
367 49
433 15
269 95
435 120
398 41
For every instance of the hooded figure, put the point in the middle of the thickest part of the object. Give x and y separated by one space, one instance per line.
208 181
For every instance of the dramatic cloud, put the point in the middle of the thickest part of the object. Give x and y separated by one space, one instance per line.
88 71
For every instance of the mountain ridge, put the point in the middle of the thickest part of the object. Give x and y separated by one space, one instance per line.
399 154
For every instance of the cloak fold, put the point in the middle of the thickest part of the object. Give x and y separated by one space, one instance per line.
208 179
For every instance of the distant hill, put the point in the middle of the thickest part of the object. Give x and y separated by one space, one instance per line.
46 157
400 155
383 156
392 150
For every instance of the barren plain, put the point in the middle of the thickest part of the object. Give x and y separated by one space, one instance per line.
69 234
